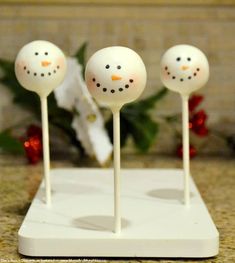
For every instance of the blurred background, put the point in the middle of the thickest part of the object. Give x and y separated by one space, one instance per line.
149 27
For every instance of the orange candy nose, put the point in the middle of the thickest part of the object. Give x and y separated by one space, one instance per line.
184 67
45 63
116 77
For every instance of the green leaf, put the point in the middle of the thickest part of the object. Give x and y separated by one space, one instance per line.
10 144
137 123
124 130
149 103
143 130
27 99
7 66
80 55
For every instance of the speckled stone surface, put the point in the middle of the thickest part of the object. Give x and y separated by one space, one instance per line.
215 178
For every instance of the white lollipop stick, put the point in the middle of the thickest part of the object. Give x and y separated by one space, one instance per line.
117 167
115 76
40 66
185 139
46 150
184 69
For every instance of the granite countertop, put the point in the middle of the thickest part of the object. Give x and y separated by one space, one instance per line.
215 178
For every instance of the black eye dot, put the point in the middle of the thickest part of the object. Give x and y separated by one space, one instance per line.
168 73
36 53
189 59
107 66
178 59
189 77
166 68
198 69
49 73
98 84
121 89
104 89
112 90
42 75
131 80
195 74
173 77
24 68
119 67
58 67
54 71
181 79
126 86
46 53
28 71
35 74
93 79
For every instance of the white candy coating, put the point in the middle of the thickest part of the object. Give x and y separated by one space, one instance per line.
40 66
115 76
184 69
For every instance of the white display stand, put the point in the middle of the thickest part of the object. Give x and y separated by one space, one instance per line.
155 222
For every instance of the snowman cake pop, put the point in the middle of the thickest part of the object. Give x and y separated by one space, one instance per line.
40 66
184 69
115 76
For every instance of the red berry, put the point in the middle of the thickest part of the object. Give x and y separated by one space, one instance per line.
192 151
194 101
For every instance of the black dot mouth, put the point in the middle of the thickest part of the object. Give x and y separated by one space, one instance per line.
180 78
43 74
120 89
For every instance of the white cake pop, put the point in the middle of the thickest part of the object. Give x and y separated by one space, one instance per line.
115 76
40 66
184 69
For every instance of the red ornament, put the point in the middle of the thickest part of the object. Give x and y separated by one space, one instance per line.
194 101
34 130
33 144
197 123
192 151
